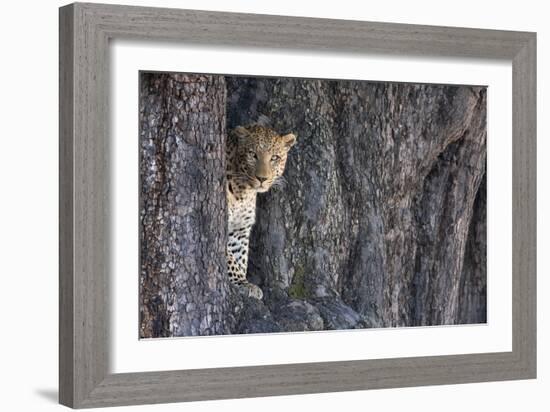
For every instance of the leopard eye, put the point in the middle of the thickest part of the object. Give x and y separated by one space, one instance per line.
274 158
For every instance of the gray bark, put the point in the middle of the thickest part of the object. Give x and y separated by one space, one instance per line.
372 226
183 287
381 222
473 287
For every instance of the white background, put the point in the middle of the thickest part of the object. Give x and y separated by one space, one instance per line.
132 355
28 206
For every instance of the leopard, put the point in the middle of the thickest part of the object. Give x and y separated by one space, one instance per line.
256 160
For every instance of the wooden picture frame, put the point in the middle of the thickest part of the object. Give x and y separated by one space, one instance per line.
85 31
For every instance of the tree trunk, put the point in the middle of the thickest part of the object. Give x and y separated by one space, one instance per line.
473 286
372 226
183 285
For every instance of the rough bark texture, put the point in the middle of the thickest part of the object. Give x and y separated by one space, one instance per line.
183 287
381 222
373 224
473 287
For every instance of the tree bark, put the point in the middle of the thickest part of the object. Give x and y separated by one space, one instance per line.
183 285
473 286
372 226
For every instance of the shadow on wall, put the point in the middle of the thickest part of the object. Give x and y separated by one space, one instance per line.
50 395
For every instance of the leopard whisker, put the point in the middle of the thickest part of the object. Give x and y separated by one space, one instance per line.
280 182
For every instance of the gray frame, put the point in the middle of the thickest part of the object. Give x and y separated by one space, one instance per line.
85 30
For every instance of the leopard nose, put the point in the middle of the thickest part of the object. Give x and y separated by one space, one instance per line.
261 179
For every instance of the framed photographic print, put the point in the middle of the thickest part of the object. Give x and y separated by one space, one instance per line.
257 205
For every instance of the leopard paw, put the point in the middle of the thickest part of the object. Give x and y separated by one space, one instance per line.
253 291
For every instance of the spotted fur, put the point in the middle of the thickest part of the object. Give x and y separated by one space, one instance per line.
256 159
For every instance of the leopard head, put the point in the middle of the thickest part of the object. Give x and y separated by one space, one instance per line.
260 156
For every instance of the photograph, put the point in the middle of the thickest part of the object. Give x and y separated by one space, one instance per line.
285 205
268 206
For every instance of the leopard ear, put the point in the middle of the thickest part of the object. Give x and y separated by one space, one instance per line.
289 139
240 131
